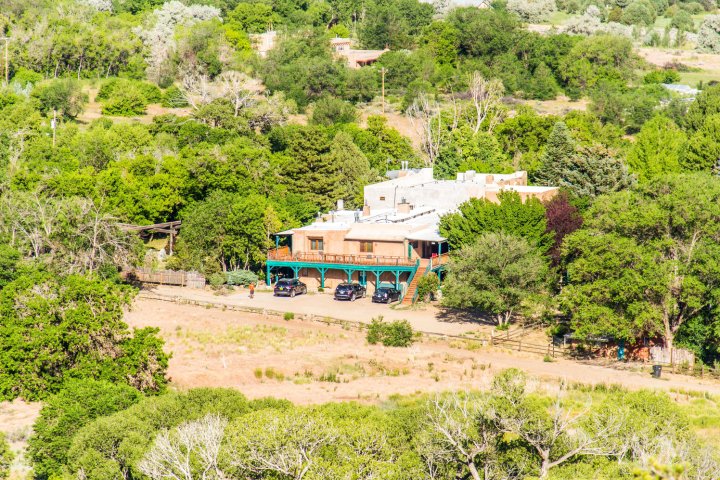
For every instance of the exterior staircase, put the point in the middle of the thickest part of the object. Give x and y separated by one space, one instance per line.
421 271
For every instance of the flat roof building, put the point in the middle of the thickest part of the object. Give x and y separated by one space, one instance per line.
397 231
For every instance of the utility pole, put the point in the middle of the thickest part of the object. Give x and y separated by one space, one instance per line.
7 69
383 71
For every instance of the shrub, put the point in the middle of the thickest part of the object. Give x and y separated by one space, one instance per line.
428 286
329 111
114 86
6 457
76 405
173 98
77 330
640 12
398 333
683 21
662 76
126 103
531 10
217 280
289 316
23 76
693 8
708 37
241 277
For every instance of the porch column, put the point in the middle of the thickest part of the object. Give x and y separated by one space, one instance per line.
296 271
268 281
397 279
349 273
322 277
377 278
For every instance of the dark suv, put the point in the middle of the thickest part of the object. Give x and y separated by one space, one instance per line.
349 291
289 287
386 295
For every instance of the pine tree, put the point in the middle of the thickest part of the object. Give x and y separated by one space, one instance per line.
558 150
352 167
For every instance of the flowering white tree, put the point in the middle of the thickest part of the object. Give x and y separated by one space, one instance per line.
158 35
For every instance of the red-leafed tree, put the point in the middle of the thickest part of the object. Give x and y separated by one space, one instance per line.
562 219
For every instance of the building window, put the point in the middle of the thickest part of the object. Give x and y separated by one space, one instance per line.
366 247
382 199
317 244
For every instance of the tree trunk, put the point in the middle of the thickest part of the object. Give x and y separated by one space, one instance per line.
473 470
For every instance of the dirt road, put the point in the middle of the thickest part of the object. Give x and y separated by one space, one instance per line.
426 318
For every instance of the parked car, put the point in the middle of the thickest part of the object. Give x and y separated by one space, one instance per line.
349 291
386 295
289 287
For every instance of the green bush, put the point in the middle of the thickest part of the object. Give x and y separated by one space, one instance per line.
6 457
329 111
114 86
77 331
241 277
662 76
173 97
289 316
693 8
76 405
217 279
23 76
398 333
683 21
428 286
126 103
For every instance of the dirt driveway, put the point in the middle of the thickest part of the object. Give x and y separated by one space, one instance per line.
426 318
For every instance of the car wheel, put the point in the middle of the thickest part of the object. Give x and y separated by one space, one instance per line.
352 297
292 293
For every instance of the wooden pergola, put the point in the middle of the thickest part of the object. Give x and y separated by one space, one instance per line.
170 228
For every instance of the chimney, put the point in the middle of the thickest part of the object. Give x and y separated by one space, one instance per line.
403 208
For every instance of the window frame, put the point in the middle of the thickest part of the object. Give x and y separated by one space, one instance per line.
364 244
317 242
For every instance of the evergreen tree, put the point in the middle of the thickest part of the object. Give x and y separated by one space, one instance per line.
558 150
353 169
543 85
590 172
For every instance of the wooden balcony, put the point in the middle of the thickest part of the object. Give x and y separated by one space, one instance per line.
283 254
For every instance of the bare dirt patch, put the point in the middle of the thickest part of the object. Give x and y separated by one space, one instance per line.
16 421
311 362
93 111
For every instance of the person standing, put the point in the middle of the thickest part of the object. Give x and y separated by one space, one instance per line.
252 290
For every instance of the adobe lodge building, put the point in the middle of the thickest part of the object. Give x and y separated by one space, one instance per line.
395 238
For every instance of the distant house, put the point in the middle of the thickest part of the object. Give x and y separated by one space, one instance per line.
395 237
342 47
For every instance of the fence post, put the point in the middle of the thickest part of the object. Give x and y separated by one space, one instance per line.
519 346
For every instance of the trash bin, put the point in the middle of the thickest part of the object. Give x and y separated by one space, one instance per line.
657 371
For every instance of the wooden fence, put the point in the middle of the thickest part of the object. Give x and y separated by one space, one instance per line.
549 349
170 277
674 356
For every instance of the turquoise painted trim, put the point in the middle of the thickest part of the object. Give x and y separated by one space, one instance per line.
344 266
415 295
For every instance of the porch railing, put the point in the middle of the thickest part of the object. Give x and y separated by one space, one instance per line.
284 254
